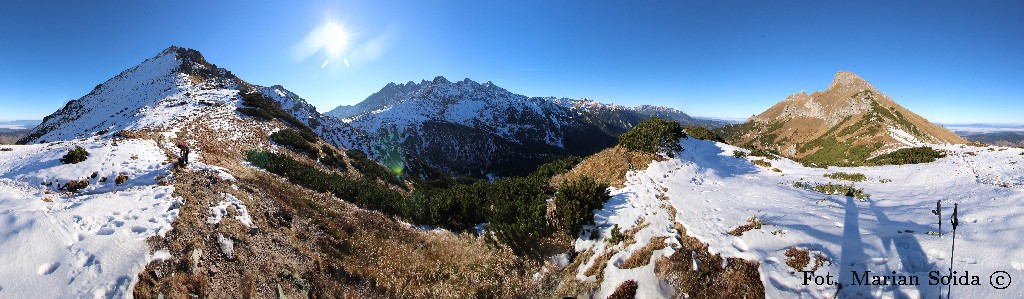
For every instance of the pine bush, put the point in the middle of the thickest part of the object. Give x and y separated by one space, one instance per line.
576 201
654 135
75 155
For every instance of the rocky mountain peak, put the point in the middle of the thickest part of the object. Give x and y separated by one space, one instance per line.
845 80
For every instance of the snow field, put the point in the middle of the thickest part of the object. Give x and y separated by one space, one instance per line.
714 192
87 244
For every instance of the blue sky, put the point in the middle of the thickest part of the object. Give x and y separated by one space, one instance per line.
950 61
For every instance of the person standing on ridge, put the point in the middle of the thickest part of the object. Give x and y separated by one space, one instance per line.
183 156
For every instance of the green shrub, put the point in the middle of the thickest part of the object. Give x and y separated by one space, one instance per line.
763 153
332 158
576 201
702 133
263 107
654 135
834 189
75 155
294 140
365 193
517 214
6 149
853 177
557 167
371 168
913 155
738 153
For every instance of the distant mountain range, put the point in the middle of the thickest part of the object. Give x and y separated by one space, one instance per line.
481 130
848 123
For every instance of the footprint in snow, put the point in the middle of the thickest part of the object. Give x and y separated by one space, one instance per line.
48 268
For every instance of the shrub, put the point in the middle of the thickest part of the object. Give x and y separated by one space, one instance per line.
853 177
120 179
834 189
332 158
75 155
702 133
557 167
517 214
372 169
576 201
913 155
654 135
763 153
739 154
74 186
265 108
6 149
294 140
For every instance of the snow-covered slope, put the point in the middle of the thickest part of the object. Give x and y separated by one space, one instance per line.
58 244
92 242
714 192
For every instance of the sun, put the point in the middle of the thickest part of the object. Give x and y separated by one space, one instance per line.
334 38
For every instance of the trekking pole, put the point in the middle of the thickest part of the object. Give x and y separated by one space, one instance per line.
938 212
954 221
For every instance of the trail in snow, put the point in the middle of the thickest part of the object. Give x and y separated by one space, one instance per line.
714 192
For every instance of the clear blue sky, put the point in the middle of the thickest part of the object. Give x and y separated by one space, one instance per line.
950 61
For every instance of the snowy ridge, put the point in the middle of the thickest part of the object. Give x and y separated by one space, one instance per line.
714 192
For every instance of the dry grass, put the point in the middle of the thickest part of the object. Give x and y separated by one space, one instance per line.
752 224
46 199
643 256
626 290
819 260
629 236
609 166
308 243
739 278
597 269
797 258
762 163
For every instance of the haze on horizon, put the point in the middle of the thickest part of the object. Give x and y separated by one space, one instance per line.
951 62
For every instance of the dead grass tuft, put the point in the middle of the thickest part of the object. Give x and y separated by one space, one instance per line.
609 166
643 256
762 163
121 178
597 269
819 260
797 258
626 290
629 236
752 223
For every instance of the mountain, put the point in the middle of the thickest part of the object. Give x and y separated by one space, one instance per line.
258 211
848 123
481 130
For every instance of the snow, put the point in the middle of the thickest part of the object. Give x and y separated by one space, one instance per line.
714 192
86 244
219 211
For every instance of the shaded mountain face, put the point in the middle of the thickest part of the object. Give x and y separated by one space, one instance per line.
848 123
479 130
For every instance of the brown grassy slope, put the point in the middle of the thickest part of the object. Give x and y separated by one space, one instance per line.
609 166
309 243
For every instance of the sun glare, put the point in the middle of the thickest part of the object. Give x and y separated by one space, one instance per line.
334 39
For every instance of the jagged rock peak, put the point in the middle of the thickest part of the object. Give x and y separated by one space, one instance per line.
846 78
